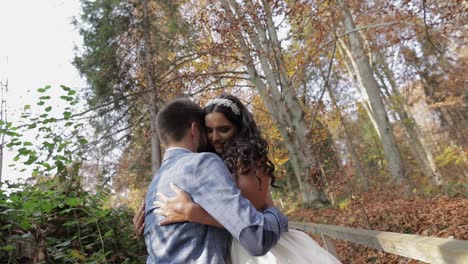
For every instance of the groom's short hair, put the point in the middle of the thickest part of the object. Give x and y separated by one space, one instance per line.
176 117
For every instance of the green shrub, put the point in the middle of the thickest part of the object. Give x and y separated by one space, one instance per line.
56 222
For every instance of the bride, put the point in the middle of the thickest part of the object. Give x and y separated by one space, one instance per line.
233 134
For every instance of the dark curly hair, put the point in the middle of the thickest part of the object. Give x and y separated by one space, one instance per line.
248 148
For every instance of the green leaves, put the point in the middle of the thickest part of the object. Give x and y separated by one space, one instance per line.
8 248
67 114
66 98
73 201
77 225
83 141
60 142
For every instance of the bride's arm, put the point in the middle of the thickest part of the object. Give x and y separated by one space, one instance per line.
254 186
180 208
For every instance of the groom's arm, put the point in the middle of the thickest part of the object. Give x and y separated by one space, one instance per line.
215 191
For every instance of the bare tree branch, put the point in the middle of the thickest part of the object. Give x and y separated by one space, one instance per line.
325 85
427 28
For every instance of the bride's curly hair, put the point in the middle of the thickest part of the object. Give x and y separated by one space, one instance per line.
248 150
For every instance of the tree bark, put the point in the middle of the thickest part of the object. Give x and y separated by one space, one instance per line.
371 88
366 104
151 85
416 141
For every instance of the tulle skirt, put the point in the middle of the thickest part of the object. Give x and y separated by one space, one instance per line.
293 247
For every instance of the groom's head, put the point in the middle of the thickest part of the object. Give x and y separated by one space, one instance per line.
182 122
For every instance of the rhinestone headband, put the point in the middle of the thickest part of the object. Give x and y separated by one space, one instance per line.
226 103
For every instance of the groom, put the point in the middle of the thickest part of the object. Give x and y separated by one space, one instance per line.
206 179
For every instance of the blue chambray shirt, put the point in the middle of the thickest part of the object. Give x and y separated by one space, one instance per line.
208 182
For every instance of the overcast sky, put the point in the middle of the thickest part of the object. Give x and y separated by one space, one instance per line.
36 49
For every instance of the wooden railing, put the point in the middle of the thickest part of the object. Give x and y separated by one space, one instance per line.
424 248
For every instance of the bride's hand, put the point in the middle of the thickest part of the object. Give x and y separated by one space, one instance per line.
139 221
176 209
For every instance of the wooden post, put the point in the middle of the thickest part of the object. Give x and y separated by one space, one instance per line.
329 245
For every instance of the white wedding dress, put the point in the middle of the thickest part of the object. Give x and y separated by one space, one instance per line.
293 247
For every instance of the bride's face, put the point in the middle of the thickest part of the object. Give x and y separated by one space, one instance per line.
219 130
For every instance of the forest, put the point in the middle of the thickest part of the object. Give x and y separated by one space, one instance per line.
363 104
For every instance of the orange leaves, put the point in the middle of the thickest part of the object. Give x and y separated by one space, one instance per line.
278 153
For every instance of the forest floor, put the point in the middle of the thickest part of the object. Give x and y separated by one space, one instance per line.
385 209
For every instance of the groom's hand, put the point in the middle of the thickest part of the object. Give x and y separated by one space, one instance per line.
139 221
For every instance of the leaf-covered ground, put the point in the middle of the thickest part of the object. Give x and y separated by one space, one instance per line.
388 210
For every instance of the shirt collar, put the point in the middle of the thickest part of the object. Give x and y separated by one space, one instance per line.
178 148
174 151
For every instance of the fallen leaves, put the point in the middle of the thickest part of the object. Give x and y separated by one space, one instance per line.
386 210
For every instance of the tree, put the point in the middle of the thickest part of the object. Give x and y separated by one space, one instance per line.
150 84
132 56
251 26
419 148
108 64
371 90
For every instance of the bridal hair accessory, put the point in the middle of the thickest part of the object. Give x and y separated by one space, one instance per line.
226 103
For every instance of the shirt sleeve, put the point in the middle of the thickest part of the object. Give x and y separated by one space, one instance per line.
214 189
269 233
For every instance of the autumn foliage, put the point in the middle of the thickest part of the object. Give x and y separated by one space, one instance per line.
364 103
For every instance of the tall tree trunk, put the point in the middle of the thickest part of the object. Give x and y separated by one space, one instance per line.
155 142
416 141
343 47
151 86
277 94
370 85
3 118
300 163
